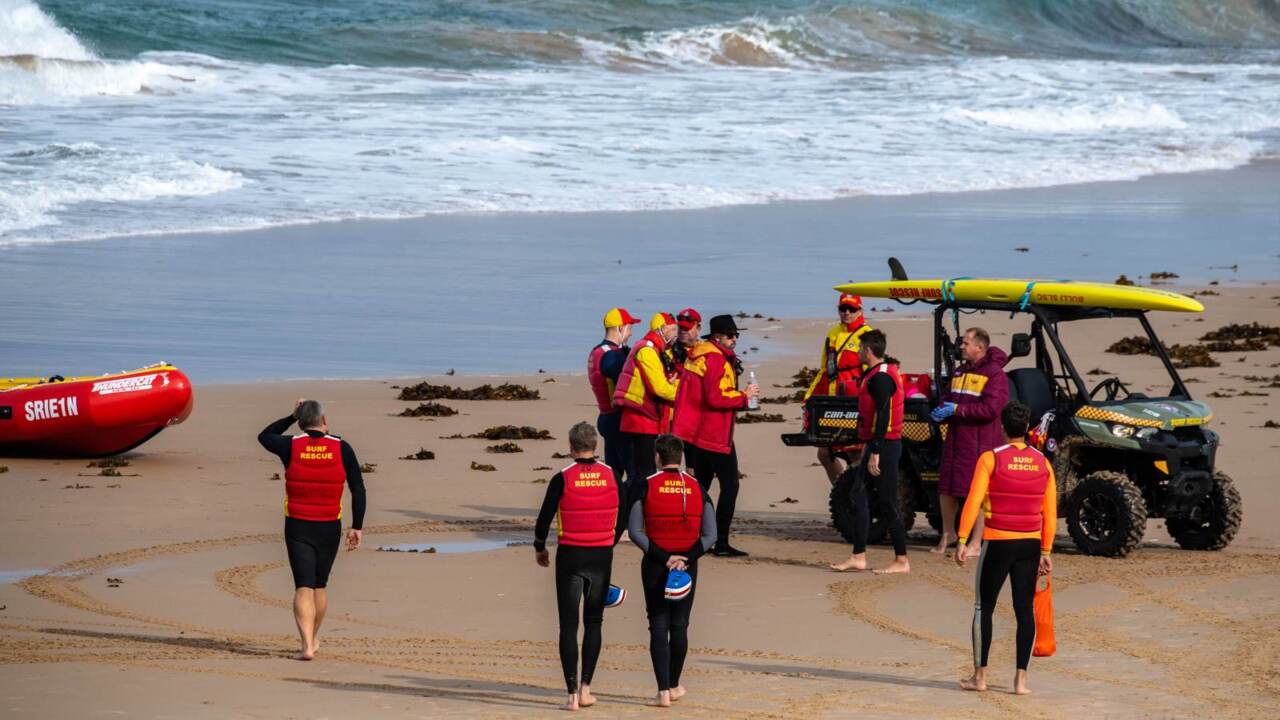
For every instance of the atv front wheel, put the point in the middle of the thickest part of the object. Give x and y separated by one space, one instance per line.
842 512
1214 521
1106 515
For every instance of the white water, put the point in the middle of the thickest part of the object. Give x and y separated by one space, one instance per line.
178 142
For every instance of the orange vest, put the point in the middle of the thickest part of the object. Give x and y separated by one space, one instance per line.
589 507
1016 492
673 511
314 479
624 397
867 406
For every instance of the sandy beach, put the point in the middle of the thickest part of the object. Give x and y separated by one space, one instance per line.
164 592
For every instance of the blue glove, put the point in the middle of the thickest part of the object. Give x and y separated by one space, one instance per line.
943 411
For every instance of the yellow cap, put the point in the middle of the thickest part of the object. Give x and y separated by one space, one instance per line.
617 317
661 320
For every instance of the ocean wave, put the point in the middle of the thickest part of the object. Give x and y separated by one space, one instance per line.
1120 114
26 30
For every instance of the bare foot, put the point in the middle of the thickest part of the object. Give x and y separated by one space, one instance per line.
899 565
943 544
975 683
678 692
315 647
1020 683
663 699
305 655
572 704
857 561
585 698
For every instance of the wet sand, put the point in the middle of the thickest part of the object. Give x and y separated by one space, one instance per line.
199 626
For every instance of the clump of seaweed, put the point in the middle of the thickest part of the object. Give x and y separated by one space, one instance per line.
505 391
1123 280
422 454
1163 275
368 468
506 447
428 409
1253 336
482 467
749 418
795 397
512 432
1183 356
111 462
804 377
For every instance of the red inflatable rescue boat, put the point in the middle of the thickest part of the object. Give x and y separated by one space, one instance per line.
90 416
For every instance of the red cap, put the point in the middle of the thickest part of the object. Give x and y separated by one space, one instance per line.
847 299
688 319
617 317
661 320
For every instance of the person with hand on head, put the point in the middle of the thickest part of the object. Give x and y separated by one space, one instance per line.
971 408
839 372
585 500
604 366
646 393
1014 487
673 523
316 467
706 406
880 406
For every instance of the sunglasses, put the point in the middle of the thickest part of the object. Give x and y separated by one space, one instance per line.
687 318
849 308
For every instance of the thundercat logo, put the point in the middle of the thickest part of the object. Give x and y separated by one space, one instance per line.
129 384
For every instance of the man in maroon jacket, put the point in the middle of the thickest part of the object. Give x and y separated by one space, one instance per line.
979 391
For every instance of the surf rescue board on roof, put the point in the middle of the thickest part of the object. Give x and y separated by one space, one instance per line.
1037 292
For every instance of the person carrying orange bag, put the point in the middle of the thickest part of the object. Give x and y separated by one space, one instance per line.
1014 487
1045 645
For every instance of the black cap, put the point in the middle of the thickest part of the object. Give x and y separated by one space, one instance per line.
723 325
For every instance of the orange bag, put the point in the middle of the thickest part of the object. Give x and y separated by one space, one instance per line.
1045 644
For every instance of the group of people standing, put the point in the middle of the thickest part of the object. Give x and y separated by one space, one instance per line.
672 398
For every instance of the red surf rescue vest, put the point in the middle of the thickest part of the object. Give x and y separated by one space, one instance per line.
673 511
867 406
601 386
589 507
1016 491
314 479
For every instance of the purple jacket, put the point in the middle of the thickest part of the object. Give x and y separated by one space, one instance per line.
980 392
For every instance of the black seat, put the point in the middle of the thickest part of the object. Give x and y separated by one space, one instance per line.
1031 387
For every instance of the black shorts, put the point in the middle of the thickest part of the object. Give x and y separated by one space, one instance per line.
312 547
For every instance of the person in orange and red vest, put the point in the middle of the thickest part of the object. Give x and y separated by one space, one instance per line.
1014 487
316 466
673 523
585 500
839 371
604 366
706 401
646 393
689 322
880 405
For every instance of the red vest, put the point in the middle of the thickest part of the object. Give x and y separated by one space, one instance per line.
673 511
867 406
601 386
648 405
314 479
1017 488
589 507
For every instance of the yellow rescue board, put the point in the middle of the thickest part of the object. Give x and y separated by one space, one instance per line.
1042 292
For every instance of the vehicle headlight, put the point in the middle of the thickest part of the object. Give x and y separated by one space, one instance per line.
1147 432
1122 431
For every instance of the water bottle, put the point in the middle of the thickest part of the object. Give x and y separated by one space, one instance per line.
753 403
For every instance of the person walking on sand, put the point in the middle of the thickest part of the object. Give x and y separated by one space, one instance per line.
673 523
1013 485
979 389
585 500
604 366
646 393
316 465
880 405
706 406
839 372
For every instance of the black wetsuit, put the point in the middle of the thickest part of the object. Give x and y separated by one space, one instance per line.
313 546
881 387
582 581
1019 560
668 620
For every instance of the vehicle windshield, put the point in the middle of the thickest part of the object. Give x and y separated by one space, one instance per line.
1115 359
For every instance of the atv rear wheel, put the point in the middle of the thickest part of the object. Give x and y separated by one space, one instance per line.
1214 521
1106 515
841 505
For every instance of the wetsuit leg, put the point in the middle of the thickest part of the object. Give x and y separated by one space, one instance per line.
680 612
617 453
312 548
993 567
1022 581
887 494
653 578
569 589
597 572
861 512
643 463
